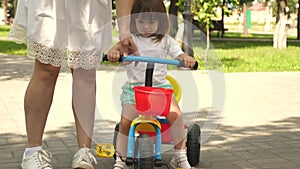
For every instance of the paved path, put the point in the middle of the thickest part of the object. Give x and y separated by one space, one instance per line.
259 127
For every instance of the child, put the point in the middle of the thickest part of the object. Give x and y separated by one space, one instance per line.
149 27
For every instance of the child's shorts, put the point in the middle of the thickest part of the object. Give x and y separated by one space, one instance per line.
127 96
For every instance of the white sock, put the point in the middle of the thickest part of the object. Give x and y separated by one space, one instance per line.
182 153
30 150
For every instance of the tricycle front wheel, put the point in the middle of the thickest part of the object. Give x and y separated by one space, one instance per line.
144 152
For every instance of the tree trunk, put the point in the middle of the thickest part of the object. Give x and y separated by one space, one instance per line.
280 34
187 32
298 21
245 20
173 11
5 8
207 43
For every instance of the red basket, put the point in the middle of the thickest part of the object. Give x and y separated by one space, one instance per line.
152 100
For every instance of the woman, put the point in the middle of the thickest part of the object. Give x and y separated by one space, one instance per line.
57 32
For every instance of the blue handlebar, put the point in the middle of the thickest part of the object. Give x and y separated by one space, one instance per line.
152 60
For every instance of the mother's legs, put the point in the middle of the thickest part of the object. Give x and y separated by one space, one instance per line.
37 101
83 104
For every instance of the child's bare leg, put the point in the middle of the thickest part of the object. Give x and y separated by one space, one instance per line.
179 137
177 126
128 114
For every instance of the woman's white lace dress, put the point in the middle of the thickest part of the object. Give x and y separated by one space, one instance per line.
64 31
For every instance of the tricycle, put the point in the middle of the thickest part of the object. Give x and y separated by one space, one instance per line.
151 129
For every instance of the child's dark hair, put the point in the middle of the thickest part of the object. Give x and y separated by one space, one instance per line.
151 9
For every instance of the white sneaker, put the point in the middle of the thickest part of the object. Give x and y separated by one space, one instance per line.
179 162
120 165
37 160
84 159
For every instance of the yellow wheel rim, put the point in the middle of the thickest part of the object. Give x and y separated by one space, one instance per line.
176 87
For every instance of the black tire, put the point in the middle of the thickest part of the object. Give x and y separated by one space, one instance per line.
193 144
116 132
144 146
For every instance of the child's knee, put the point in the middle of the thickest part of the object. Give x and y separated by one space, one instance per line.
174 116
125 124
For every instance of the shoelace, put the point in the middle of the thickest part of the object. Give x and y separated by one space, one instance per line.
119 166
88 152
180 160
42 159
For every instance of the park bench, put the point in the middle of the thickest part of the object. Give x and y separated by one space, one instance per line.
218 25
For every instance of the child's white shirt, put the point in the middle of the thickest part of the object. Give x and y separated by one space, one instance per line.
148 47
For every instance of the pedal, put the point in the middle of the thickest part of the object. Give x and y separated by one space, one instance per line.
105 150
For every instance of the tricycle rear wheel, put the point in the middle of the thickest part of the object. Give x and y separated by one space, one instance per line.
193 144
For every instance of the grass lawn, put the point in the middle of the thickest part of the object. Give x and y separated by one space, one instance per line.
250 35
4 30
11 48
228 55
257 56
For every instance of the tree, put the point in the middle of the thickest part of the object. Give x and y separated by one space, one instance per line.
9 9
4 6
280 33
173 11
244 6
298 21
293 7
206 11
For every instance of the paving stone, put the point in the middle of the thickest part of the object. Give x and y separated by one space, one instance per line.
278 165
245 155
268 161
244 164
262 145
54 143
260 153
225 165
3 141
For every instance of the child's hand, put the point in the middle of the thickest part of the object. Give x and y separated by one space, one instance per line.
113 55
188 60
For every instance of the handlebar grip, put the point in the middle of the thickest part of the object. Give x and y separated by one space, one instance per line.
195 65
104 58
